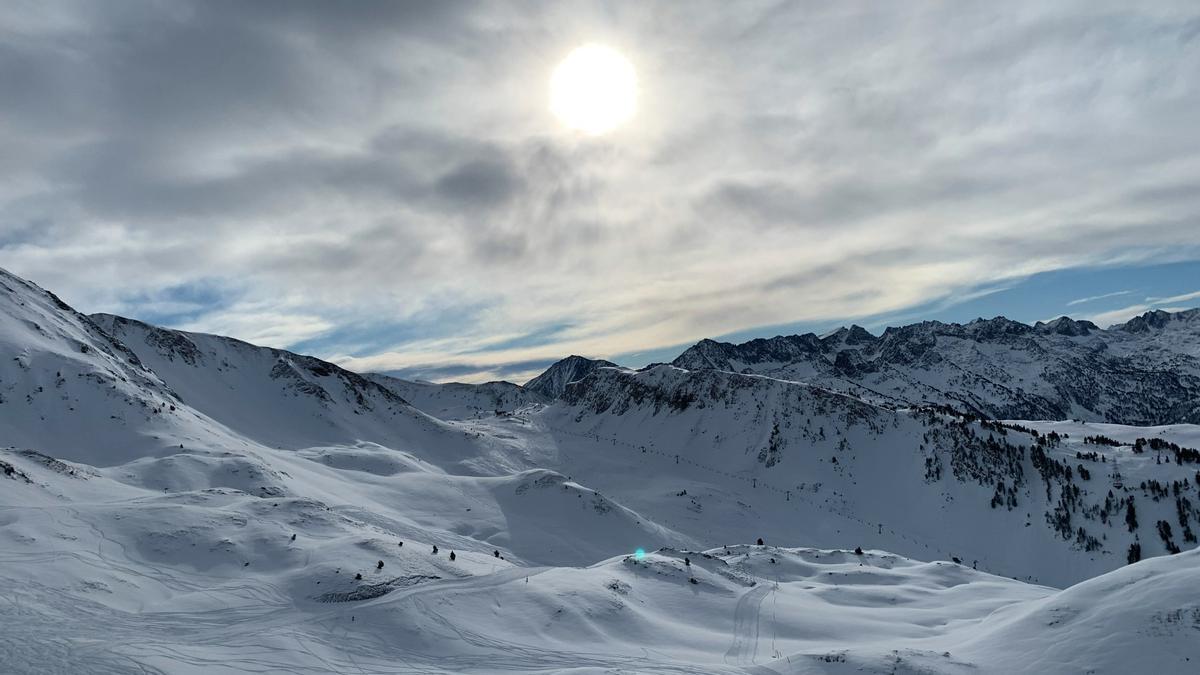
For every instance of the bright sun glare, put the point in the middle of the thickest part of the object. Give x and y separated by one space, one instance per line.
594 90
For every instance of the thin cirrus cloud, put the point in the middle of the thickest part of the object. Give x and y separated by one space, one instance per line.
346 172
1173 303
1094 298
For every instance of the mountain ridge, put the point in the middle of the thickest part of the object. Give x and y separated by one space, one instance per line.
1145 371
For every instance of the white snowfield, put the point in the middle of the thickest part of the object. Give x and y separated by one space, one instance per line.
174 502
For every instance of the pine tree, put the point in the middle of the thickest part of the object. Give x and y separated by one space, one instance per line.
1135 553
452 556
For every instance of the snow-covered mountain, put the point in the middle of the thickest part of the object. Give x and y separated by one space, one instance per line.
1146 371
272 396
180 502
555 379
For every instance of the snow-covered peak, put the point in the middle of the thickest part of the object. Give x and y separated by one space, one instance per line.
555 379
1064 325
854 335
1158 320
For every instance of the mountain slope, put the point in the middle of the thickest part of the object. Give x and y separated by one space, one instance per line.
281 399
71 389
721 456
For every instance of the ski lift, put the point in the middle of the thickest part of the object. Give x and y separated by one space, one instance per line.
1116 476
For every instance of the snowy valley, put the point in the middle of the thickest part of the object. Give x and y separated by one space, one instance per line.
990 497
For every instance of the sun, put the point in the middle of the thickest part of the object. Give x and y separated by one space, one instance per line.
594 90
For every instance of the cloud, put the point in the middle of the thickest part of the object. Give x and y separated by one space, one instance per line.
1120 315
1094 298
479 184
1185 297
1123 314
261 325
519 372
342 173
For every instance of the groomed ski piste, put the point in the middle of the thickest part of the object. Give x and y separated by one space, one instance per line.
181 503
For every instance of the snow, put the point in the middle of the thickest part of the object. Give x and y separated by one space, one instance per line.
178 502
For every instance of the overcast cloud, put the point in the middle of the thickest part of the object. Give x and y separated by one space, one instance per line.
382 183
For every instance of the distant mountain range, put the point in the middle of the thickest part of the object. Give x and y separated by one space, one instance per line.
1143 372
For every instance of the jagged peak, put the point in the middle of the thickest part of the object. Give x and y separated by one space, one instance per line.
926 326
1157 319
998 325
852 335
1065 325
720 355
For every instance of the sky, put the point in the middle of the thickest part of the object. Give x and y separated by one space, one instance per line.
383 184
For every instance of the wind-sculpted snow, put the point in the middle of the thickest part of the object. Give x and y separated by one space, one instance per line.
1144 372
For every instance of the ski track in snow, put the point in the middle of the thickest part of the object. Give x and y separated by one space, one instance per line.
746 623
